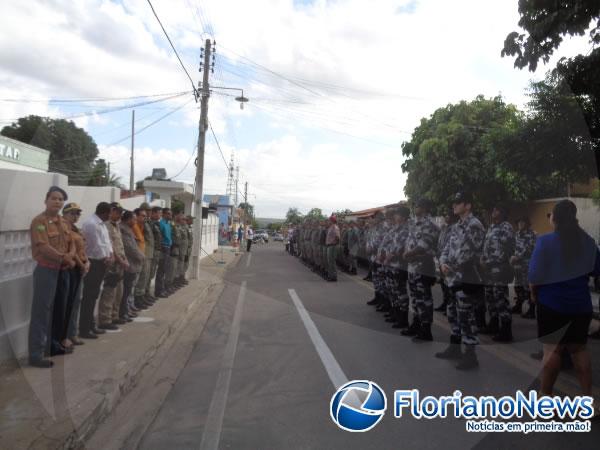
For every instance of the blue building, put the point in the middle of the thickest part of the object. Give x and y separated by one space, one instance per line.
225 209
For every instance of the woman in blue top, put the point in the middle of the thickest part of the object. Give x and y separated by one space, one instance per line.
559 272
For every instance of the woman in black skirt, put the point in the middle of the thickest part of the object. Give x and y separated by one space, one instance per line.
559 272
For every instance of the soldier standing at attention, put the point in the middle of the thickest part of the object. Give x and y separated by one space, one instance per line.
54 251
371 247
154 222
353 247
397 266
421 246
458 264
189 226
524 245
141 287
331 243
498 247
450 220
183 251
176 248
323 261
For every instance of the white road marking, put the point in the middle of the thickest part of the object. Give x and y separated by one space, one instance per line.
335 372
214 420
249 259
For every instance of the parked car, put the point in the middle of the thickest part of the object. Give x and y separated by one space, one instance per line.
277 237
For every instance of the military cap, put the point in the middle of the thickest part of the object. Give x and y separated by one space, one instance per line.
145 206
116 205
71 207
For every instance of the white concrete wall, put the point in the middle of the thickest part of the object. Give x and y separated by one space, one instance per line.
588 214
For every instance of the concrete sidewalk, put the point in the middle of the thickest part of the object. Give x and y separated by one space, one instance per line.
63 406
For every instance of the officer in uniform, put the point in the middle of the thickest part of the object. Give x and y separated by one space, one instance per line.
323 249
162 287
154 223
498 247
384 272
524 244
53 249
141 296
315 250
353 247
189 222
459 266
377 232
183 251
450 220
421 246
397 274
176 249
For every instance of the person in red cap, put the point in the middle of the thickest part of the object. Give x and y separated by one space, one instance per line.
331 242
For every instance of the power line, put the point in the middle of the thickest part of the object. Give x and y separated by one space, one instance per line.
173 47
154 122
218 146
85 99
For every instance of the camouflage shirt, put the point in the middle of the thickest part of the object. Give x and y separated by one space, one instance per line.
524 244
423 237
462 251
398 244
499 245
444 237
353 241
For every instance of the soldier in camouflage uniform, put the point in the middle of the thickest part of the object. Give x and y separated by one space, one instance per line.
141 291
371 251
395 266
377 235
315 249
459 265
498 247
189 222
420 249
450 220
158 238
524 244
353 247
176 249
183 251
323 249
382 274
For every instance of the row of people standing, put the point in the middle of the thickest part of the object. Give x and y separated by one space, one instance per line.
316 243
109 263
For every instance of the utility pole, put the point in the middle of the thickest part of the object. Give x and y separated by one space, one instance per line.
246 202
203 125
132 144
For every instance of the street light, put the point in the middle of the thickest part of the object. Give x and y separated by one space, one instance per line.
240 99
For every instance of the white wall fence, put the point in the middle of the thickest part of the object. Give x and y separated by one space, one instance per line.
22 199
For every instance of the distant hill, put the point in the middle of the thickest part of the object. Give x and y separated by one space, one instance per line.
264 221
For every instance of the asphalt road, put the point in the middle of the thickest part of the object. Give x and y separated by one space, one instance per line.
279 342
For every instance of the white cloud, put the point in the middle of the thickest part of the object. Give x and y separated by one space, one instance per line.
366 69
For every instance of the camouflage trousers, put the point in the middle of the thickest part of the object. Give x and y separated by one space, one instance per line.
522 285
420 291
315 258
496 299
378 278
461 316
395 287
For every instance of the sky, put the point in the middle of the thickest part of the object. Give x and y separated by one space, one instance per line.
334 87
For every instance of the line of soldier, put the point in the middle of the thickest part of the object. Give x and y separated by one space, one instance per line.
474 267
316 243
111 261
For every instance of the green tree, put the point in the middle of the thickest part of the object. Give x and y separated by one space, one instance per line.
546 23
551 147
315 214
249 210
293 216
454 150
72 150
342 213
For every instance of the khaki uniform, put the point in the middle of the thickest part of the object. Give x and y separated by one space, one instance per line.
110 300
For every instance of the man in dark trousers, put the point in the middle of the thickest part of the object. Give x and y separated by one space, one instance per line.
98 248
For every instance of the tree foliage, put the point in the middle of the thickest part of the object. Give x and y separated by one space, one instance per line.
454 150
249 210
293 216
72 150
315 214
546 23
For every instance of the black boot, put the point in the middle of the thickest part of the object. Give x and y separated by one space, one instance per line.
530 314
505 333
413 328
518 307
402 320
392 317
384 306
374 300
424 333
492 328
468 359
452 351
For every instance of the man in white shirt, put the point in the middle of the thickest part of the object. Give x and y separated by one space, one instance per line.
249 237
100 253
